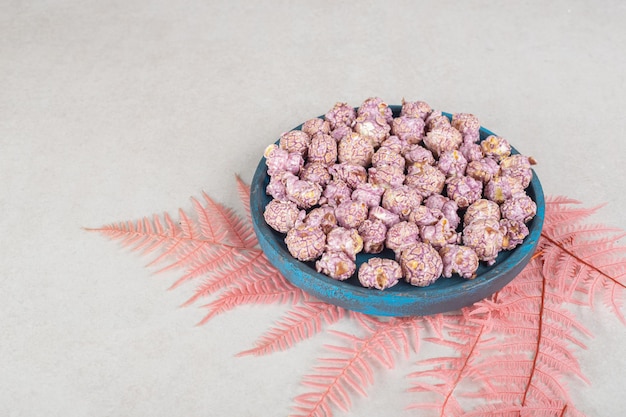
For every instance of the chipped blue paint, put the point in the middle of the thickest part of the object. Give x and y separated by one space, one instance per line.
446 294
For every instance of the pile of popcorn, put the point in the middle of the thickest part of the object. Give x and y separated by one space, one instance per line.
419 184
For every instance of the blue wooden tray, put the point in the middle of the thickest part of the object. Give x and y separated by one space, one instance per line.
446 294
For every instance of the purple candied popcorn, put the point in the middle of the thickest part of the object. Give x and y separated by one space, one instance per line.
276 187
423 216
402 235
425 179
304 193
419 109
421 264
410 129
340 132
368 193
471 151
501 188
482 209
281 215
448 207
464 190
305 243
495 147
386 156
468 125
316 173
373 108
335 193
313 126
417 153
460 260
376 131
395 144
518 166
439 234
355 149
278 160
353 175
442 138
336 265
323 149
388 218
374 233
322 216
401 200
521 208
344 240
295 141
386 176
515 231
485 237
340 115
452 163
483 169
436 120
379 273
351 214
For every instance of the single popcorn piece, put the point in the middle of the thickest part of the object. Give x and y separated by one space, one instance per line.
515 231
458 259
421 264
388 218
323 149
419 154
448 207
340 115
401 200
379 273
279 160
295 141
386 156
501 188
485 237
314 126
521 208
436 120
464 190
374 233
335 193
323 217
518 167
416 109
336 265
410 129
340 132
426 179
276 187
439 234
304 193
495 147
386 176
373 108
305 243
351 214
482 209
452 163
424 216
471 151
376 131
468 125
395 144
281 215
442 138
316 173
483 169
402 235
353 175
355 149
368 193
345 240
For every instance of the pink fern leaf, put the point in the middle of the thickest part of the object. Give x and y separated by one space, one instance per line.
302 322
237 231
244 194
351 369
